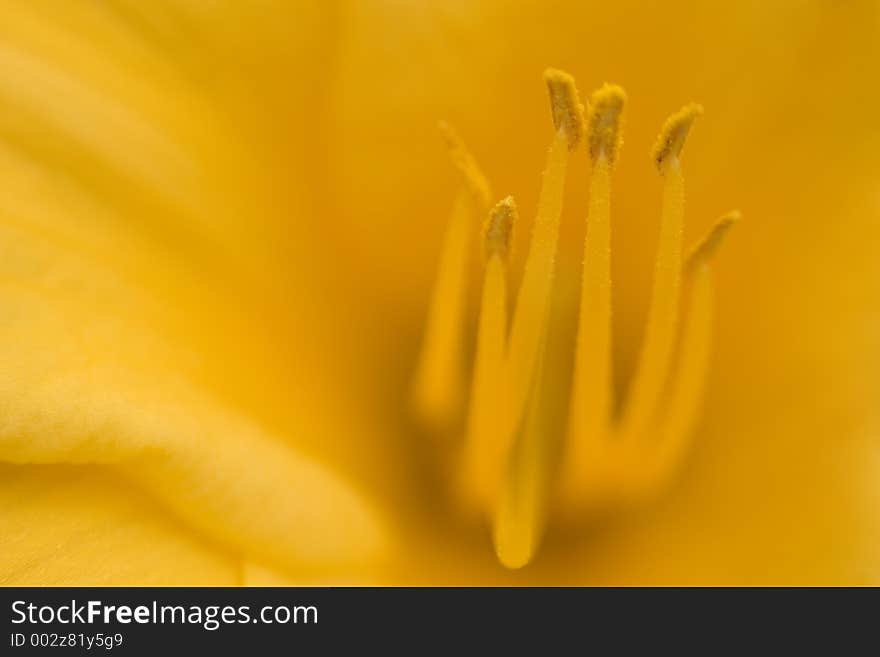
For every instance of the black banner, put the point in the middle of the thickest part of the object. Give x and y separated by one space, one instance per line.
334 620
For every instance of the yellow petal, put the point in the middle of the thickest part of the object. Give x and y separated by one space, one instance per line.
83 526
138 246
88 379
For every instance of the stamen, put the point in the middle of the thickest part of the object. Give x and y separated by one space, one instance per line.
591 400
439 379
530 316
658 343
484 448
688 386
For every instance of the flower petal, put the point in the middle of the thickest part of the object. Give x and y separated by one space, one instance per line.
77 526
157 314
86 382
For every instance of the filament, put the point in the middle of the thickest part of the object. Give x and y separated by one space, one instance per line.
689 383
521 509
438 386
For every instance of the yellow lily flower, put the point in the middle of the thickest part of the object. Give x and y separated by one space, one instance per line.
222 247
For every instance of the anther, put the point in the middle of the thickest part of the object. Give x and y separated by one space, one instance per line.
499 228
604 122
568 112
708 245
674 133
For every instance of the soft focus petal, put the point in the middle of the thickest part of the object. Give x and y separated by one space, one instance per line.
83 527
158 310
88 378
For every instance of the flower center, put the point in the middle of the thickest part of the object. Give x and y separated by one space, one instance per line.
508 470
